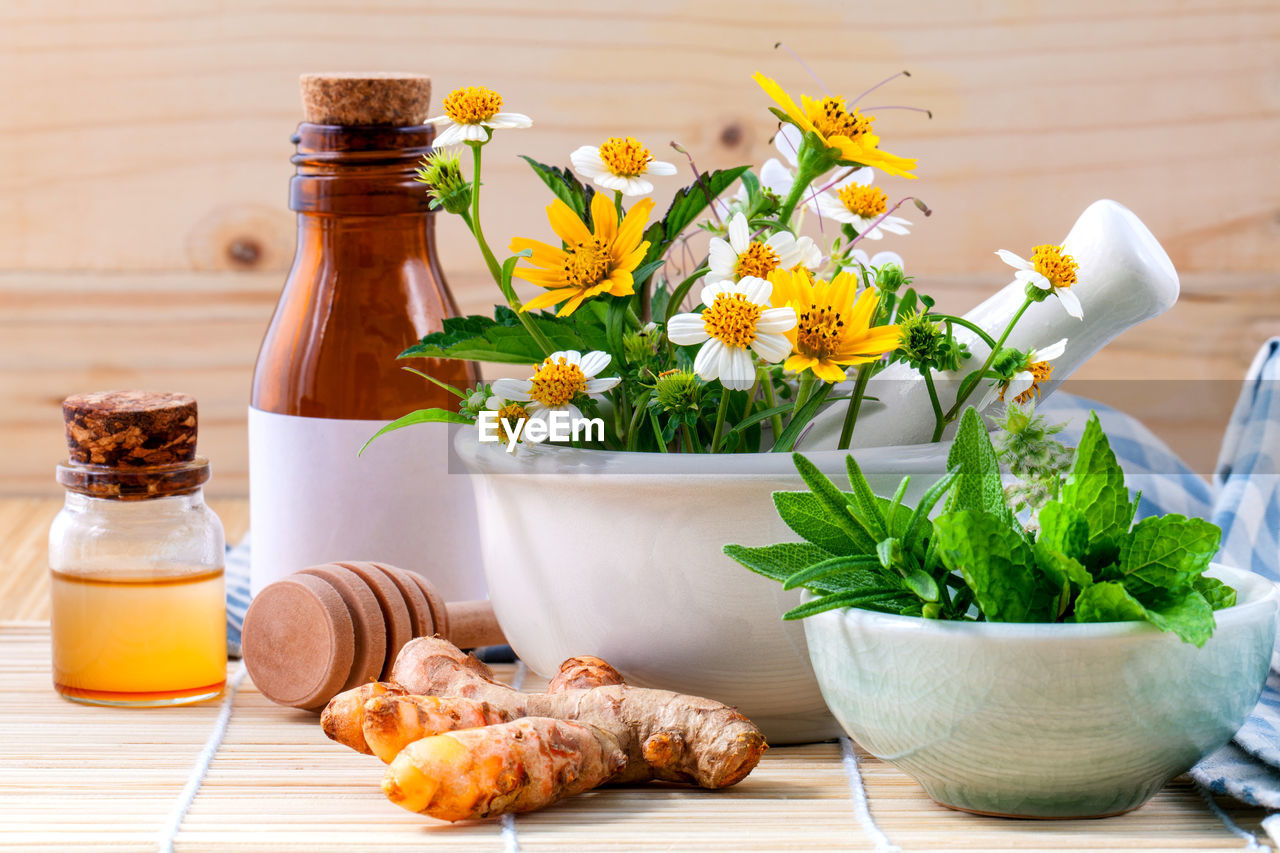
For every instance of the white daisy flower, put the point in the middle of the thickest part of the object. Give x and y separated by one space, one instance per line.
880 259
854 201
555 383
737 321
471 113
738 257
621 163
1026 382
1049 269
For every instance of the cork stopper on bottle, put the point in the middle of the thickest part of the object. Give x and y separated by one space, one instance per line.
130 429
366 98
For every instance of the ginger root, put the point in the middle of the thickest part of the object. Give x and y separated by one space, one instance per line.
462 745
510 767
665 735
393 722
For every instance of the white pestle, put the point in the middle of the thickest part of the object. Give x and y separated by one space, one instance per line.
1125 277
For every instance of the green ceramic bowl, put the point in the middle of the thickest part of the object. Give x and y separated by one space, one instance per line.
1045 721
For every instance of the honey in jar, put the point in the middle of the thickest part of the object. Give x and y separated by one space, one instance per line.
136 557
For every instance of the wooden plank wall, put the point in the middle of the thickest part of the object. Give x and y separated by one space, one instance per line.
144 152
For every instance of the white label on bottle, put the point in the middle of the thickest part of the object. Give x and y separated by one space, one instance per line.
312 500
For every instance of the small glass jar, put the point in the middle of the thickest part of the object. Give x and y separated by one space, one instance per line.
136 557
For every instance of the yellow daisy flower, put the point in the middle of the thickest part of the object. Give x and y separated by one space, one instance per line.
590 263
832 330
848 131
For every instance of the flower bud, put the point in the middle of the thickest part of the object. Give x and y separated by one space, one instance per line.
678 391
441 171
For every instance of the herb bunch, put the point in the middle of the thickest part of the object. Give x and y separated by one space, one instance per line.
1086 562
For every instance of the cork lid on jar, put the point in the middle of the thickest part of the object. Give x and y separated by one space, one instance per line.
131 444
354 99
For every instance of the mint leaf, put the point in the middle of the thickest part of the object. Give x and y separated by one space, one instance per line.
995 561
978 486
1108 601
1166 553
1096 489
1058 568
1217 593
1185 613
1064 528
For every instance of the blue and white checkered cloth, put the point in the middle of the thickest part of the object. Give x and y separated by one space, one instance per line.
1244 501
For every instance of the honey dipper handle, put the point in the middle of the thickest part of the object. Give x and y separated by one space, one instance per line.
472 624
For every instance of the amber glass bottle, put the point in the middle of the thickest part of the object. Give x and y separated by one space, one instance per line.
365 284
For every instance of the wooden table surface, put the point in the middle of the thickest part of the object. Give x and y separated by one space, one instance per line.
76 777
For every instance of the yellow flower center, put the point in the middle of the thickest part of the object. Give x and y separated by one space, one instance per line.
758 260
512 413
818 332
587 264
732 319
832 118
625 157
472 104
1053 264
556 383
867 202
1040 372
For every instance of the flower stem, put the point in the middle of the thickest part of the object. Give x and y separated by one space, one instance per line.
804 177
688 439
771 403
991 356
973 327
939 423
657 431
721 411
855 403
495 269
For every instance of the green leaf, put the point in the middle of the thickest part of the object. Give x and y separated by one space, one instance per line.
682 291
873 598
1166 553
922 584
422 416
1185 613
791 432
565 185
457 392
994 560
1096 489
502 339
818 514
979 486
614 325
832 566
686 206
1217 593
1058 568
1108 602
780 561
865 508
1064 528
919 527
640 275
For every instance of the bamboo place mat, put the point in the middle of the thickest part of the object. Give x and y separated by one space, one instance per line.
77 777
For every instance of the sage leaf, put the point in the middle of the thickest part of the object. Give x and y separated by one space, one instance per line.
978 486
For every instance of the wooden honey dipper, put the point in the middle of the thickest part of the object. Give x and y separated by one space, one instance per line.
329 628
